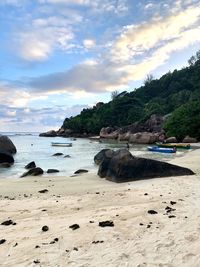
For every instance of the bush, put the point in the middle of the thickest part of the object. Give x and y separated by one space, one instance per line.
185 120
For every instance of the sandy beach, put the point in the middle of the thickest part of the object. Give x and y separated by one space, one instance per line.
169 238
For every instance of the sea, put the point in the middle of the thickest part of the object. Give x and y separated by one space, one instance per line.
31 147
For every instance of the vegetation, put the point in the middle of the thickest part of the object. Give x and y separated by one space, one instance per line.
185 121
174 93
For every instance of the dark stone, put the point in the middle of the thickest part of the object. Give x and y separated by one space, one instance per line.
67 156
7 145
74 226
37 246
76 249
172 202
98 241
103 154
52 170
43 191
2 241
36 261
16 244
5 165
30 165
80 171
51 133
124 167
8 222
45 228
57 154
33 172
106 224
152 212
171 216
6 158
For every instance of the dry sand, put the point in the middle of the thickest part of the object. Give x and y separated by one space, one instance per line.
86 200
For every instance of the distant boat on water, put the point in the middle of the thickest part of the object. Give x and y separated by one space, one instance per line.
161 149
61 144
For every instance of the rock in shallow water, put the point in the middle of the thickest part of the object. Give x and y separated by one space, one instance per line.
30 165
33 172
123 167
7 145
80 171
52 171
6 158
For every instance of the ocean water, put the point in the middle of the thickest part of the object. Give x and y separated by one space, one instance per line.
31 147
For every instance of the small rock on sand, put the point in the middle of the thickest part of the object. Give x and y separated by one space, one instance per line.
43 191
74 226
45 228
106 224
152 212
2 241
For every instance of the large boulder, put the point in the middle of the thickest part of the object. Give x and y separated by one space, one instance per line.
33 172
143 138
171 140
109 133
51 133
124 136
123 167
154 123
189 139
7 145
6 158
102 155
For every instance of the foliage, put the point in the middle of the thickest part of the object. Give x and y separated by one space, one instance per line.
185 120
162 96
148 79
114 94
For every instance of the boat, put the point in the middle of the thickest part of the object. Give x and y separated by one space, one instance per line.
161 149
61 144
177 145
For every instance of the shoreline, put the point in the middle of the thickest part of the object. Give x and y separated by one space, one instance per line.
137 238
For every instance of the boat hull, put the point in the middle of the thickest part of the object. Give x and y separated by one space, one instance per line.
161 149
172 145
62 144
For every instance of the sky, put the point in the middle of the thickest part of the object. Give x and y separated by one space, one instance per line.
60 56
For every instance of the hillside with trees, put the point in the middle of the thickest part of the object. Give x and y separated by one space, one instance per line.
176 93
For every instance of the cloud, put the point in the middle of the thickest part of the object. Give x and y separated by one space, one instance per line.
30 119
137 51
89 43
138 39
42 36
98 6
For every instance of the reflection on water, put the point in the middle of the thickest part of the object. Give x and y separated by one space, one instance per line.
31 147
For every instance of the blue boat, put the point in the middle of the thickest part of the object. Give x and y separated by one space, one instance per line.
161 149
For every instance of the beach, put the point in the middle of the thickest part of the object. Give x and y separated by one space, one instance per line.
168 238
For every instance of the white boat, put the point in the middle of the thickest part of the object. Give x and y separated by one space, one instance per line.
61 144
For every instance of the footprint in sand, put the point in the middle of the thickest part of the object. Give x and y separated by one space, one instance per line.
192 237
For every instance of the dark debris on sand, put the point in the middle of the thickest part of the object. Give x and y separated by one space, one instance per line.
106 224
74 226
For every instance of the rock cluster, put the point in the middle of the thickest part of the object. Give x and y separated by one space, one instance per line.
148 132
